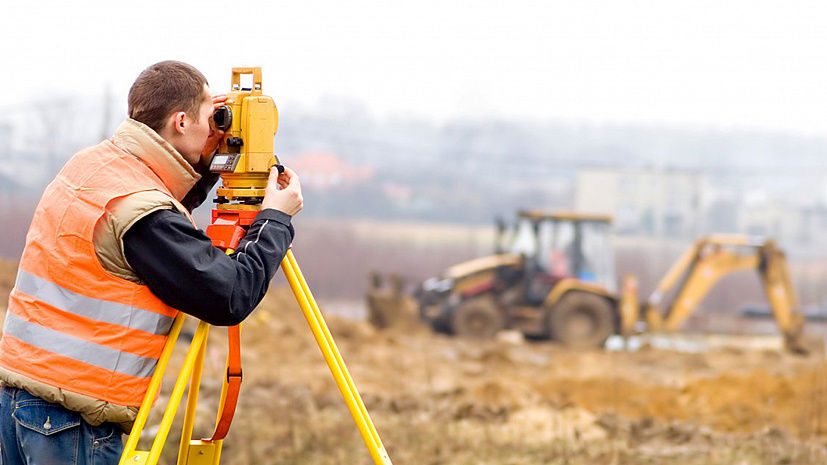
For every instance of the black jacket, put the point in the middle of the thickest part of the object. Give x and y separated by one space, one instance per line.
181 266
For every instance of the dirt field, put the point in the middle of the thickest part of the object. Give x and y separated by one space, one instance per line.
438 400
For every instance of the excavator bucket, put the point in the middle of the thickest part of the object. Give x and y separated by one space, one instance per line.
388 306
794 337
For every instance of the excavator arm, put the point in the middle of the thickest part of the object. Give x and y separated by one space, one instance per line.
695 273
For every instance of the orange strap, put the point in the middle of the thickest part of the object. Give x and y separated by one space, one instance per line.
226 231
233 386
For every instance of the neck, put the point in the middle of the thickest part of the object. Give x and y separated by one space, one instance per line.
172 137
168 134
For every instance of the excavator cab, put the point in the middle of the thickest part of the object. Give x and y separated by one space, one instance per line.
557 246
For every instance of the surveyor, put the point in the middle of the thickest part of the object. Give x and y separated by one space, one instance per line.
111 256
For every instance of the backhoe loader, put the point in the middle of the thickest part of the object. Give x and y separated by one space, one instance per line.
553 277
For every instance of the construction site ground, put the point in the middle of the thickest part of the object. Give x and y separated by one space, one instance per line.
440 400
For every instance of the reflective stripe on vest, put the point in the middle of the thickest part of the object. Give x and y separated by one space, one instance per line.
89 307
78 349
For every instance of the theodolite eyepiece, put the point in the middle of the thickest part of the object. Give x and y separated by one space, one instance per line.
223 117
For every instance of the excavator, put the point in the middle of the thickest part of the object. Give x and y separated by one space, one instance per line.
552 276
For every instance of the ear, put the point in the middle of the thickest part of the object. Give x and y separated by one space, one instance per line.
179 121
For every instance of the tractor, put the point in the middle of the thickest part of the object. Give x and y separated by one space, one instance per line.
552 276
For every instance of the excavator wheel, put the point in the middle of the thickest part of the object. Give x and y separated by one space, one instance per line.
581 320
478 318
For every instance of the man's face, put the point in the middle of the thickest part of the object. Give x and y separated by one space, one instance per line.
197 131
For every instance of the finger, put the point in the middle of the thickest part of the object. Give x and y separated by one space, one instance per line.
274 175
218 101
292 177
283 181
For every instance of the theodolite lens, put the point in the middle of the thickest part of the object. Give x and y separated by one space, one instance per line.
223 118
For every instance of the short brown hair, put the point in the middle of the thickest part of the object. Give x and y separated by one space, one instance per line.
164 88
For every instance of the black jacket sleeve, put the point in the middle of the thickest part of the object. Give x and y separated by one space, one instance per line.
181 267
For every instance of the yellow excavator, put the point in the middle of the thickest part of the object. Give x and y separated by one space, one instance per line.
553 276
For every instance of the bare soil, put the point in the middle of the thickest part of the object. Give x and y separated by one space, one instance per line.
441 400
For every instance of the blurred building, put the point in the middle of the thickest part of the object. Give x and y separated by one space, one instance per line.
794 226
686 204
324 171
650 202
813 226
771 218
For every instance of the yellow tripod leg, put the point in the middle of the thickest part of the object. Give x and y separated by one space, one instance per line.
209 451
192 401
331 354
130 452
133 456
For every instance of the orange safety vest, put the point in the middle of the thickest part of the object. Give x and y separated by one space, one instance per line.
70 323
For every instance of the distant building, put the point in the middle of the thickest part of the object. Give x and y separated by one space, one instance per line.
813 230
770 218
651 202
685 205
796 227
324 171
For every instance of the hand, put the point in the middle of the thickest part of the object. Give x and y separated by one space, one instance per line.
283 192
215 134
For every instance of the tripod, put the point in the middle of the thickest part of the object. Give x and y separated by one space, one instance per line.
227 229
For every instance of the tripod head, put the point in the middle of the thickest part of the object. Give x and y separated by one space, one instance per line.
245 153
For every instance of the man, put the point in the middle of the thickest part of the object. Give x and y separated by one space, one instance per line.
111 256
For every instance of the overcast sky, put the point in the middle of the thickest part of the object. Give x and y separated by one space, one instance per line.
744 63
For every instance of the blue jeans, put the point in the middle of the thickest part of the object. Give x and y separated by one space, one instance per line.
36 432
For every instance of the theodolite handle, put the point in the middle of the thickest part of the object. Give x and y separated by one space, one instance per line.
236 80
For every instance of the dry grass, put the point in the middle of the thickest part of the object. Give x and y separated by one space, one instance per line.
8 273
438 400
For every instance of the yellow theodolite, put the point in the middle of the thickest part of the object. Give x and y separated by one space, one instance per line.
244 159
249 120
